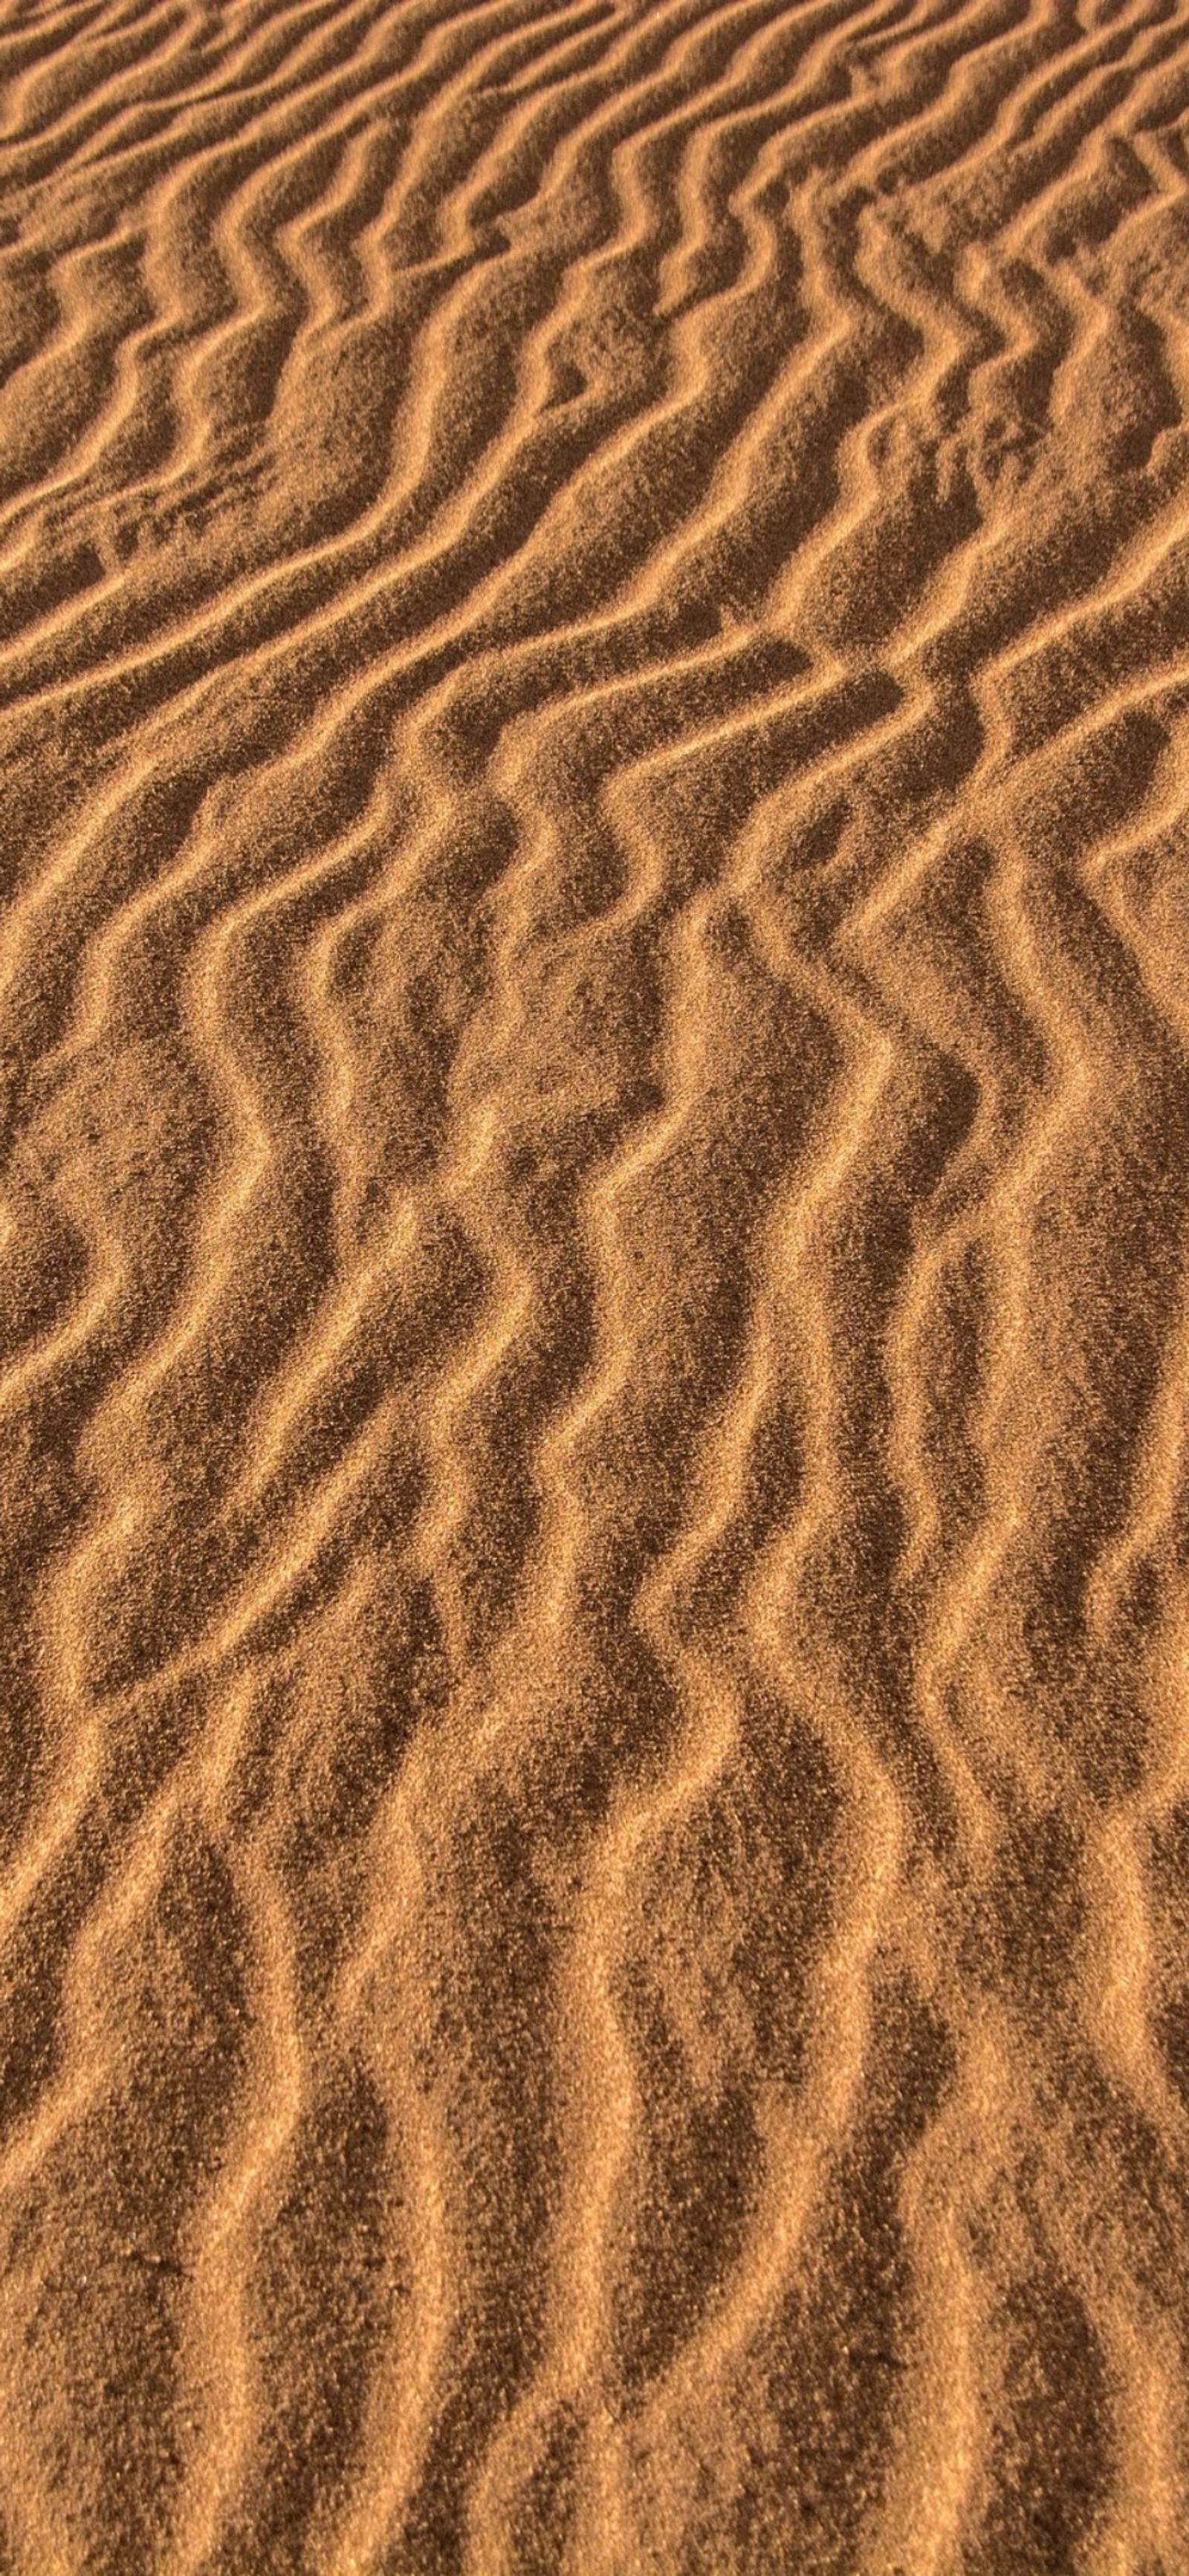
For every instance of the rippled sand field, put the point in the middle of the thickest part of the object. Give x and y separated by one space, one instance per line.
594 1337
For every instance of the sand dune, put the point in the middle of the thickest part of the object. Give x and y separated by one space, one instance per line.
594 1353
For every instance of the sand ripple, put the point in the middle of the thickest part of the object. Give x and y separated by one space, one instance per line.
594 1347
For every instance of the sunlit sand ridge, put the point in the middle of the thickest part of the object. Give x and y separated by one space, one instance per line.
594 1349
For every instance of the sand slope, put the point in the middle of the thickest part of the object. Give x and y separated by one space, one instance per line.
594 1353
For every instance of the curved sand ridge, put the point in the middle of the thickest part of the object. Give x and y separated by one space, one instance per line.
594 1033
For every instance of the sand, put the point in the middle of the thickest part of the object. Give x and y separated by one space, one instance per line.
594 1348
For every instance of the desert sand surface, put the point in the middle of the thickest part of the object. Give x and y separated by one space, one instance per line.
594 1336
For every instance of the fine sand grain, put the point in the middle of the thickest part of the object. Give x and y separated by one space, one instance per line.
594 1318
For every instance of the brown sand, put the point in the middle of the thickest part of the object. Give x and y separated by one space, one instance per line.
594 1352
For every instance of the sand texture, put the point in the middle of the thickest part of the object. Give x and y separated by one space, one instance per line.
594 1246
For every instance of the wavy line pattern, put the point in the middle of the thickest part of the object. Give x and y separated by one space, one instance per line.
594 1348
